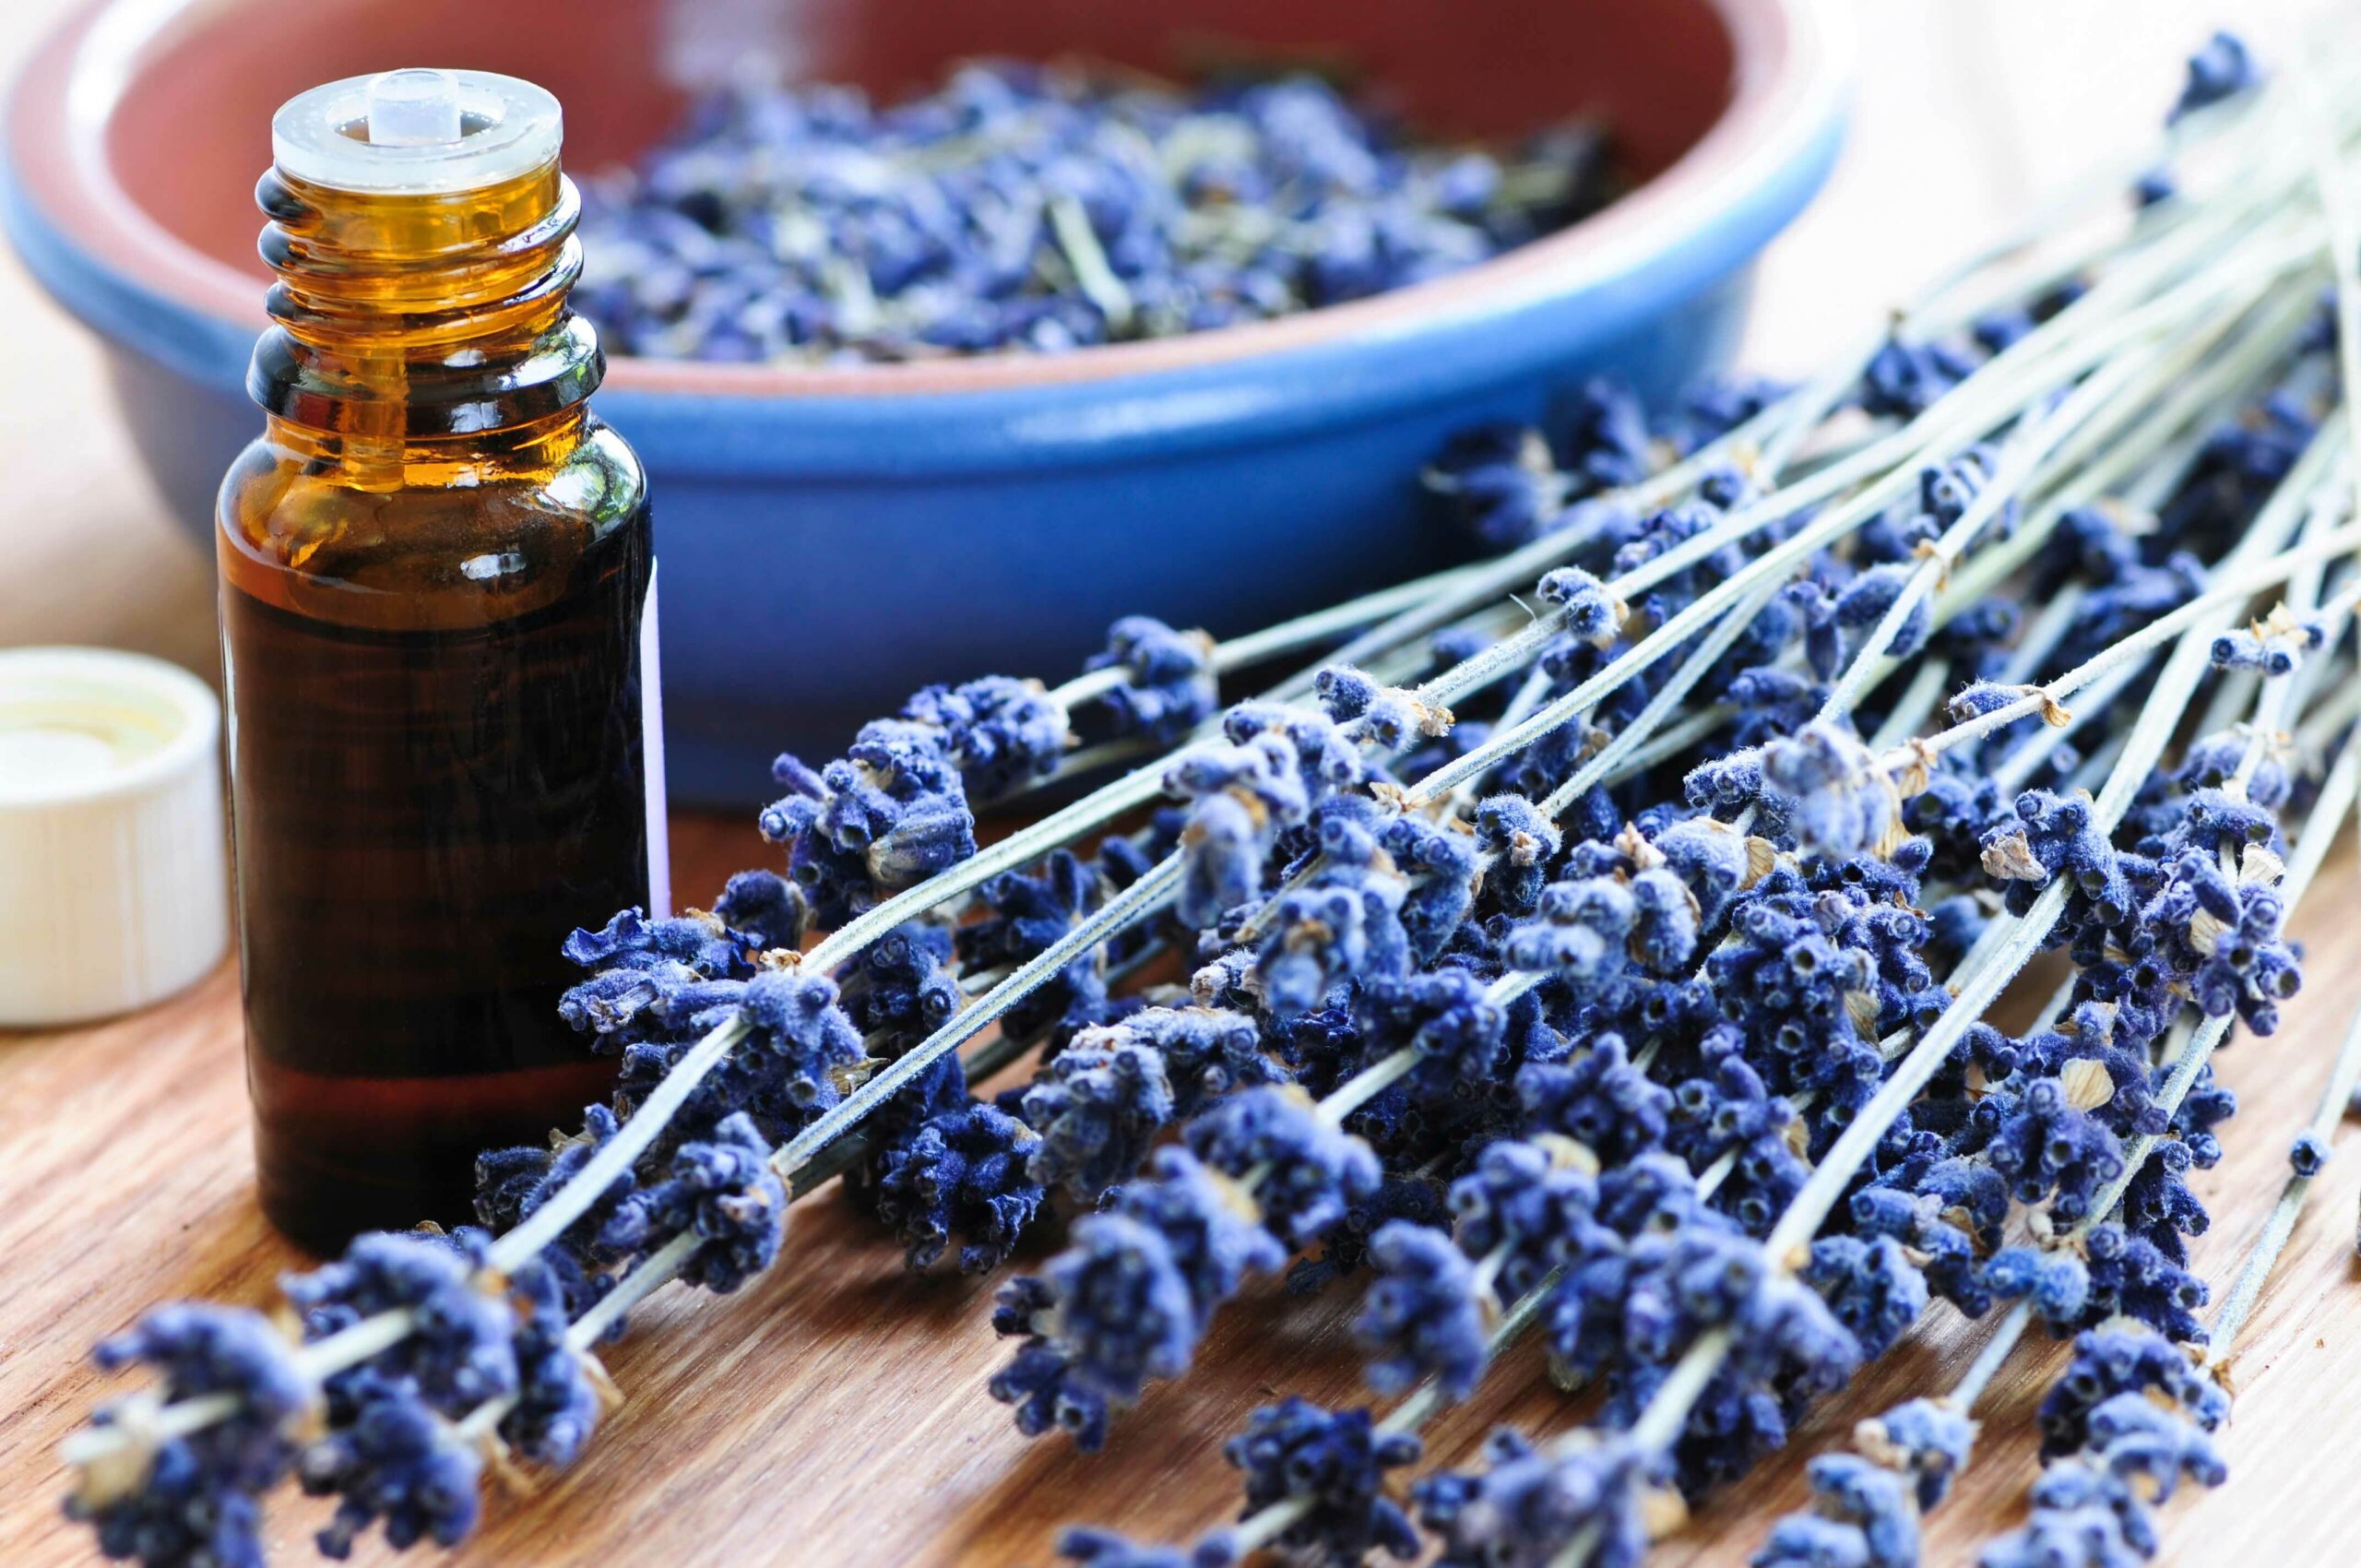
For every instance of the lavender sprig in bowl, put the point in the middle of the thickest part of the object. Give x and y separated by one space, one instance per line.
834 536
1021 207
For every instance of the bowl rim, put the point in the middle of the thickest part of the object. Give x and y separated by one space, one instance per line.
1791 60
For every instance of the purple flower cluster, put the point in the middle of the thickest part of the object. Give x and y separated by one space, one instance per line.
2126 1358
2093 1506
662 986
1861 1513
894 809
1423 1315
1170 687
1335 1461
1278 763
963 1173
1864 1508
1036 209
1528 1505
397 1453
1098 1104
1507 485
1307 1173
721 1193
1130 1298
197 1501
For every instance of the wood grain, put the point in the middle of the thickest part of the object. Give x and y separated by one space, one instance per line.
832 1412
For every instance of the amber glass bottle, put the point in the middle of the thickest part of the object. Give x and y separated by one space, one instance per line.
438 621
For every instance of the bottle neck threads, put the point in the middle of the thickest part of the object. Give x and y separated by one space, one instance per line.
417 314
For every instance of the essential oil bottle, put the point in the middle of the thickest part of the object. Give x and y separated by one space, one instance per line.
438 624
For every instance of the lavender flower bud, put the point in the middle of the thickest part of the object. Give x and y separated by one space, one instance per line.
1422 1317
458 1354
722 1192
1837 801
1335 1463
1528 1505
1171 689
963 1173
1926 1439
1002 733
1310 1172
196 1499
1099 1108
398 1464
1593 614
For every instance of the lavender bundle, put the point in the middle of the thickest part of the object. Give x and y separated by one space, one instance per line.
1040 209
1616 968
2192 914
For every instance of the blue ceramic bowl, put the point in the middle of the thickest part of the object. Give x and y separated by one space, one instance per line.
832 539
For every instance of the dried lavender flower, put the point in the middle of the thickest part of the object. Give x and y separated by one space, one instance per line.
193 1500
1022 207
1335 1461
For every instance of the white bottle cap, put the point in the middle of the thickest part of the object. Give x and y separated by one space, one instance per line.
113 886
416 132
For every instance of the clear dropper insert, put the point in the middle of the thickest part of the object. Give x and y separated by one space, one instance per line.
416 107
418 131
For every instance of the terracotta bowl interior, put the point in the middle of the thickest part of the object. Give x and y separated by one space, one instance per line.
191 130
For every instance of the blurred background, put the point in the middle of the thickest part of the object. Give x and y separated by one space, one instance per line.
1966 110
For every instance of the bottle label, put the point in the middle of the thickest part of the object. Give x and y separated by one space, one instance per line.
651 753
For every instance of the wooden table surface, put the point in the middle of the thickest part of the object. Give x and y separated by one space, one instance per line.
832 1412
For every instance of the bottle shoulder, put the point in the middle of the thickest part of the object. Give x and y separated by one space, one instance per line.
437 539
